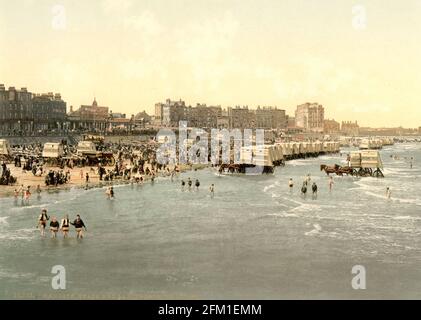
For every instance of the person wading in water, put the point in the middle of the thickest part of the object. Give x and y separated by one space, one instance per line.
65 224
212 190
304 188
314 188
291 184
54 226
42 221
388 193
79 225
331 182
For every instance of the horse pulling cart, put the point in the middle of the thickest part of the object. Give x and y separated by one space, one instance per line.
363 163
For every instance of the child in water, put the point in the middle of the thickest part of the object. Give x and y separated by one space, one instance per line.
291 184
388 193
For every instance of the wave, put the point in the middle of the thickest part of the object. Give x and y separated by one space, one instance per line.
3 221
283 215
19 234
316 230
308 207
298 162
24 207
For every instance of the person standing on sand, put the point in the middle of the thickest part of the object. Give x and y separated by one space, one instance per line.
65 224
87 177
81 174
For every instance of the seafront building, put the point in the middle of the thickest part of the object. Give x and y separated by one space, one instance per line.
350 128
23 112
169 114
310 117
331 127
89 117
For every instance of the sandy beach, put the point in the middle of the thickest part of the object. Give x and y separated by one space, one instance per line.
77 179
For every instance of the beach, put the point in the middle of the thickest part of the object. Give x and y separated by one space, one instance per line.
77 178
254 238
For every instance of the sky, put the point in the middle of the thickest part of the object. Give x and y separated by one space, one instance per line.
360 59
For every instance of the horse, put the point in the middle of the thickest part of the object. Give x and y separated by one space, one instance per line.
329 169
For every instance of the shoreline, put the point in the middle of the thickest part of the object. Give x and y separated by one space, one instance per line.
77 182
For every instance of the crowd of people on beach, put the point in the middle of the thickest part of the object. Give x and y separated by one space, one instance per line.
6 177
56 177
63 226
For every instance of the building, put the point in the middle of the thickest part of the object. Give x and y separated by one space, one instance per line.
203 116
241 118
310 117
89 117
142 119
119 121
159 110
23 112
170 113
49 111
223 121
350 128
270 118
331 127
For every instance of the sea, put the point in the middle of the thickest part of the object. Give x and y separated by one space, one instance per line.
253 239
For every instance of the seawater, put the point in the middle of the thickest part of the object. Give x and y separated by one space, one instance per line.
253 239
